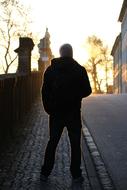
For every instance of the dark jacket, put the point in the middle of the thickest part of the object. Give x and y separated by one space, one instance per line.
75 86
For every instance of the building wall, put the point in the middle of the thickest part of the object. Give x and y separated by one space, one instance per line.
119 52
117 69
124 53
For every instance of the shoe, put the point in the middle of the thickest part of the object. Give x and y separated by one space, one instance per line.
78 179
43 177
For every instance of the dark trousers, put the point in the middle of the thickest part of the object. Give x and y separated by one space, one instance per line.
56 125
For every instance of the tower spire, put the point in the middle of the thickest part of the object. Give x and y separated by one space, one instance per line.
45 50
47 35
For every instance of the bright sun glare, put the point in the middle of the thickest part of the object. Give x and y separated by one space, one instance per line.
73 21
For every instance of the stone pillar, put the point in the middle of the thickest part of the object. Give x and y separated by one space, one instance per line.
24 55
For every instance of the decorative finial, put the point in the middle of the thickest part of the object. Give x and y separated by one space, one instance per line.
47 35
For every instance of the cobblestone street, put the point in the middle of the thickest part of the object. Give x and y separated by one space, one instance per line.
22 157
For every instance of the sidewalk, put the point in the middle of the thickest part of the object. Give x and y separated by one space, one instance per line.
21 160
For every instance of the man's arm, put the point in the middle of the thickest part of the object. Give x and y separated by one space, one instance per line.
46 90
85 83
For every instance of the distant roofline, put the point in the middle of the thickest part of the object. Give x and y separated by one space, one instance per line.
115 44
122 12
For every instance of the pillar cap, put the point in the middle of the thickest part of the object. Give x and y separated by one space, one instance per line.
24 43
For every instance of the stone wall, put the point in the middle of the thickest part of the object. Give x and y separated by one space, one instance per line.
17 94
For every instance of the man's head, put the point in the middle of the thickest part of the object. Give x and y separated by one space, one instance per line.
66 50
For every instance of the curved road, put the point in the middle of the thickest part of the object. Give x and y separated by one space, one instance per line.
106 118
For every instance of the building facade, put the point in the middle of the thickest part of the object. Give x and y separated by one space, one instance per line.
119 53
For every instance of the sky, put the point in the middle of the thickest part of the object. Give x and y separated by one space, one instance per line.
72 21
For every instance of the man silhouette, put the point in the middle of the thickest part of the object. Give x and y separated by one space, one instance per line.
65 84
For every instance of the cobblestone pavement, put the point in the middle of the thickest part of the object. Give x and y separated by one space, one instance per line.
21 158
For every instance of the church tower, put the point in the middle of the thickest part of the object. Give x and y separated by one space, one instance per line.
45 52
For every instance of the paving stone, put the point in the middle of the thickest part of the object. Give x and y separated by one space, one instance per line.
23 156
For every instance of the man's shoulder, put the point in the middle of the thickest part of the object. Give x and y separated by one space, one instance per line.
51 68
55 61
78 66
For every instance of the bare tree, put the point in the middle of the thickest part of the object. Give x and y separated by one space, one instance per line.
14 21
98 62
108 63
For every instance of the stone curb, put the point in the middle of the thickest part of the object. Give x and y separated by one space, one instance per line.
100 167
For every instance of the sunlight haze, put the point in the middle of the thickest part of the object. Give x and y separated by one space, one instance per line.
72 21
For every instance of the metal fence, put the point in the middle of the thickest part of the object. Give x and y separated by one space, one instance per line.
17 93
